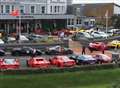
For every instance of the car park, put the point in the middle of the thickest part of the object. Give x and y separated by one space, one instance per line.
62 61
114 44
58 50
26 51
9 64
38 62
102 58
83 59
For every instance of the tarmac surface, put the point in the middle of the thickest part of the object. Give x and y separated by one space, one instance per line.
76 47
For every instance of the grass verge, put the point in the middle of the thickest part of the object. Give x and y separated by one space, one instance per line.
88 79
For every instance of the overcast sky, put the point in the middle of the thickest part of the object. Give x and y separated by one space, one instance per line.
96 1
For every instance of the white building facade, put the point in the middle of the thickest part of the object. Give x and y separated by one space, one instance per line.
34 14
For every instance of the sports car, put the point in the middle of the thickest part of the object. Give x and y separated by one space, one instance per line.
9 64
38 62
102 58
58 50
62 61
97 45
114 43
83 59
26 51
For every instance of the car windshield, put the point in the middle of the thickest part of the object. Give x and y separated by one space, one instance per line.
9 61
39 59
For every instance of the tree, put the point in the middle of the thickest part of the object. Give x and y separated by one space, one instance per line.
116 21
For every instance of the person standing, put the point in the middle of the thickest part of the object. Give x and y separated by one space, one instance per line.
83 50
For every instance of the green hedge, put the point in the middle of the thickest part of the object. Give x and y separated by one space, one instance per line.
60 70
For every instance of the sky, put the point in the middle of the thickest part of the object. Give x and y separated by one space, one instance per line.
96 1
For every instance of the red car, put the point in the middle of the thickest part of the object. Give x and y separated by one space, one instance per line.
62 61
97 46
102 58
9 64
66 31
40 32
38 62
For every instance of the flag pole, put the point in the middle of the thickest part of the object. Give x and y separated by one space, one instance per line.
106 17
19 30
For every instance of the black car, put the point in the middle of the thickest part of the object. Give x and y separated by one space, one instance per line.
83 59
58 50
26 51
2 52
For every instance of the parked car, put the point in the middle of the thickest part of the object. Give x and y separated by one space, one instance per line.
25 51
38 62
97 45
23 38
1 42
96 35
62 61
58 50
83 59
40 32
9 64
104 35
82 35
37 38
2 52
114 44
102 58
57 32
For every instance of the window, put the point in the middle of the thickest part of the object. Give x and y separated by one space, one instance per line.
43 9
58 8
51 9
32 9
13 7
55 9
21 9
7 9
1 9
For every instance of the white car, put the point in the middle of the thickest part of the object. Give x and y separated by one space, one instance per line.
1 41
11 39
103 34
23 38
96 34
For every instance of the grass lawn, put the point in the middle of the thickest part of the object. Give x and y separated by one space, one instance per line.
87 79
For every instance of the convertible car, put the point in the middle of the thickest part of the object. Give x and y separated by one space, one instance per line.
26 51
9 64
38 62
58 50
62 61
83 59
102 58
